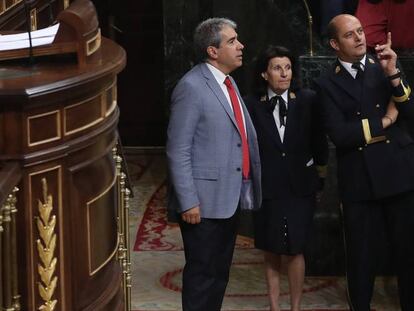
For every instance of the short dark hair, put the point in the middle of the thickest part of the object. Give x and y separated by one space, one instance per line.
261 63
207 33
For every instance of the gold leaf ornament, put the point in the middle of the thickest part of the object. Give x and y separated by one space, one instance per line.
46 230
46 273
48 306
47 292
46 253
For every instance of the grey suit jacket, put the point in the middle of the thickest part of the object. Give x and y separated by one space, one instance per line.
204 148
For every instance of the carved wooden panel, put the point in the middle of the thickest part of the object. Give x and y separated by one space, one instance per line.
58 121
47 235
101 224
43 128
80 116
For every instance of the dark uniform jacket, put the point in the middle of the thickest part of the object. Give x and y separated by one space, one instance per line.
372 162
287 168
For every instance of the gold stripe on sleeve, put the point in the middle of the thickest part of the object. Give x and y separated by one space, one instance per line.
405 97
367 133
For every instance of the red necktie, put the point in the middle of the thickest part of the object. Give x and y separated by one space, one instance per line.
239 120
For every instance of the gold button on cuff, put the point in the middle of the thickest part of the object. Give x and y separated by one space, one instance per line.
283 154
387 141
377 105
358 113
360 148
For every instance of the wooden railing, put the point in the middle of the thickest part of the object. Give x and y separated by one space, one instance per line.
10 175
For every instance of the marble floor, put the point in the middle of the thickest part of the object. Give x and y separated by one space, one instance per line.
157 257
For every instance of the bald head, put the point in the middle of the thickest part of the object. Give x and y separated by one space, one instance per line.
347 37
337 21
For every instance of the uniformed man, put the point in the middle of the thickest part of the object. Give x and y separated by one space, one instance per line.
366 108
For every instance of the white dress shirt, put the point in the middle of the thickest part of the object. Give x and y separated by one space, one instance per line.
280 129
220 77
352 71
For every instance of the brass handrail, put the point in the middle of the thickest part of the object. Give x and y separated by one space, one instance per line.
10 175
310 22
124 256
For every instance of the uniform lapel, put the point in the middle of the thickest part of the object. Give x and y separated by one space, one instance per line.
291 113
370 76
343 79
370 73
269 122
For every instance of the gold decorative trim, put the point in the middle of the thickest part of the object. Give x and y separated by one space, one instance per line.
337 69
61 254
58 132
8 253
93 44
65 4
366 129
33 19
88 225
79 129
13 226
367 133
127 263
405 97
114 99
292 95
4 7
46 246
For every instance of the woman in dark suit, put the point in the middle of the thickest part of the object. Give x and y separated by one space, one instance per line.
292 146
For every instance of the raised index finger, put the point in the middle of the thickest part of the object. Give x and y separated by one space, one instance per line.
389 39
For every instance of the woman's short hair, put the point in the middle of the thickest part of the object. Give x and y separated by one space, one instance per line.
262 62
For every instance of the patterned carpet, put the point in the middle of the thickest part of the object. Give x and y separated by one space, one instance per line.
157 259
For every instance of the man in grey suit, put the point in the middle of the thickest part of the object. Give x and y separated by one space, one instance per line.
212 154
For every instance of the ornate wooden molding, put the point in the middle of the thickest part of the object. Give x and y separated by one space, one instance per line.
46 246
5 6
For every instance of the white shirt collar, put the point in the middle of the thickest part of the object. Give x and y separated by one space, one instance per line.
284 95
218 75
348 66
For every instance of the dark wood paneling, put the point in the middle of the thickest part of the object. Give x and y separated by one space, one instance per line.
141 85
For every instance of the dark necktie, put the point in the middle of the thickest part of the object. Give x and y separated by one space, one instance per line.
239 120
358 67
282 108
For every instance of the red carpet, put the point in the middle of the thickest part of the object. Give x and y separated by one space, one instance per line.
153 229
156 234
158 259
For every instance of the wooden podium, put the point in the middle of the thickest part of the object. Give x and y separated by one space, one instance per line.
78 33
58 120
